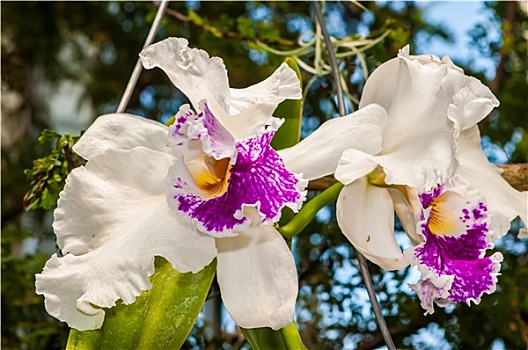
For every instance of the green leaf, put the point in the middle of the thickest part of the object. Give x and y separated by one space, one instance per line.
289 133
266 338
160 318
246 27
47 177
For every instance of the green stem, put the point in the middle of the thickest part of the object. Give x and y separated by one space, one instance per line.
292 338
308 211
287 338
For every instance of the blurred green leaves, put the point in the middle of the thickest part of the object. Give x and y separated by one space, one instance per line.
48 175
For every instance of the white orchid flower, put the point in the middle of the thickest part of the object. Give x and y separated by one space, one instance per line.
209 186
430 144
457 222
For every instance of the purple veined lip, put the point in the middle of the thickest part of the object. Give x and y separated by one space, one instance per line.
214 188
456 236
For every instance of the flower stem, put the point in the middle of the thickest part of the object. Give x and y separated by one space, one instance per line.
308 211
287 338
341 107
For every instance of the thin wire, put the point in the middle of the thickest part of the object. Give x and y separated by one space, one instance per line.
363 267
374 300
333 59
137 69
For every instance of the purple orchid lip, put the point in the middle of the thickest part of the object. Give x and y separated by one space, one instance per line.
452 261
214 188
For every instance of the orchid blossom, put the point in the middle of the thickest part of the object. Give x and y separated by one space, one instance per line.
430 148
209 186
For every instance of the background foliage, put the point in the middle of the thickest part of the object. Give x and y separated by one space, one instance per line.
65 63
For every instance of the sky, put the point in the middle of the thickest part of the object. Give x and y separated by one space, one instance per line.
459 18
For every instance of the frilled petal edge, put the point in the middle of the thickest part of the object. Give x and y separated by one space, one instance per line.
505 203
452 257
257 278
122 132
281 85
428 101
257 179
192 71
421 163
112 219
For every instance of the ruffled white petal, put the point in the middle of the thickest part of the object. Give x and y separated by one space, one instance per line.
281 85
192 71
504 202
121 131
366 216
257 278
251 121
422 162
244 112
353 165
192 135
410 164
318 154
112 219
472 102
428 102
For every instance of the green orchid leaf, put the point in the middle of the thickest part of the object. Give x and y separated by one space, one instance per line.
160 318
266 338
289 133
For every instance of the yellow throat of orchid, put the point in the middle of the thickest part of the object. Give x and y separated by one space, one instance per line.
443 218
445 209
210 175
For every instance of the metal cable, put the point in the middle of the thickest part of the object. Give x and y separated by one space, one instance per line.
341 107
137 69
333 59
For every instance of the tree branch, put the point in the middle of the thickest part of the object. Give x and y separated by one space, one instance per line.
225 33
514 174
